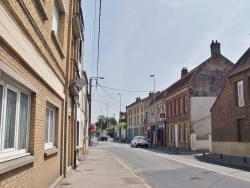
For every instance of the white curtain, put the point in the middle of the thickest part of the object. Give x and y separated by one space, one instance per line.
23 121
10 118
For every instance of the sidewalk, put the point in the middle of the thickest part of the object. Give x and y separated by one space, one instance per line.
205 155
99 168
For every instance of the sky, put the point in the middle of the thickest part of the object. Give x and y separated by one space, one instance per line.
139 38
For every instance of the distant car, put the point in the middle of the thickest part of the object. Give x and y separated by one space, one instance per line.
139 141
103 138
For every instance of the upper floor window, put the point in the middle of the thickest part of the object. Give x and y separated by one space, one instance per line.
185 104
240 97
14 120
56 20
141 108
180 106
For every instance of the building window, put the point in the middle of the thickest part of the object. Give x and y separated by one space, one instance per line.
185 135
176 107
240 97
141 118
56 20
172 110
181 133
14 120
50 127
169 110
141 108
180 106
185 104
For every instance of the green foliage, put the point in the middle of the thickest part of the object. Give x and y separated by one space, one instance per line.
103 121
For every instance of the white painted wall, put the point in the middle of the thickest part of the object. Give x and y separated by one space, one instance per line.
198 144
201 116
231 148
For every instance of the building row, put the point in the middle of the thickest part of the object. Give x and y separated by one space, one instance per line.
44 99
206 109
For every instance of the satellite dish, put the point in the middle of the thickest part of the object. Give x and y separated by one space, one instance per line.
79 83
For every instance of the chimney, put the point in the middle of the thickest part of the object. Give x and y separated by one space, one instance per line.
215 48
184 71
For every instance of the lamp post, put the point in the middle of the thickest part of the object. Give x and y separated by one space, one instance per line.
90 99
114 126
107 118
120 107
154 98
101 120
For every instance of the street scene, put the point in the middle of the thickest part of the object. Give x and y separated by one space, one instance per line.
124 93
111 164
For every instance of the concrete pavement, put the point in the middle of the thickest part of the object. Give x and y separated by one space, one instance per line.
99 168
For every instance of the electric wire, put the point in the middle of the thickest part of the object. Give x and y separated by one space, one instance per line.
122 89
94 42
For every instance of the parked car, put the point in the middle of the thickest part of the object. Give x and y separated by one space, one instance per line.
103 138
139 141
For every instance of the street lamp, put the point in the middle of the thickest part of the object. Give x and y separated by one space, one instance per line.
114 126
90 95
101 120
107 118
120 107
154 95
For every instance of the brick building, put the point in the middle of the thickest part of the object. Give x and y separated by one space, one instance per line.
188 102
230 112
40 54
156 128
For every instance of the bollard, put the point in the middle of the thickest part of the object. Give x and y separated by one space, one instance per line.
169 148
221 157
245 159
176 149
204 154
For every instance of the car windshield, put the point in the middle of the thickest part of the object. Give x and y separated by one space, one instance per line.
141 138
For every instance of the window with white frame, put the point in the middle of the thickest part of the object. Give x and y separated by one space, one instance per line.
50 127
240 93
56 20
14 119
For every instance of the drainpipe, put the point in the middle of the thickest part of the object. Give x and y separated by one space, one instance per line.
75 130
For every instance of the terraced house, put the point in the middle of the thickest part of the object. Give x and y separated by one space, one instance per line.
41 44
189 101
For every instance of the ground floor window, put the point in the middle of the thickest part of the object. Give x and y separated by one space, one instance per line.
50 126
14 119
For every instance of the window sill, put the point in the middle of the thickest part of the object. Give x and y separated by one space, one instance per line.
15 163
58 45
42 9
50 152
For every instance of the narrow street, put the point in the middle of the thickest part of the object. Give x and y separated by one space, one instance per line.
161 169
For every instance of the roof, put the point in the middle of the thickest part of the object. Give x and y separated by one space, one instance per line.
242 64
181 83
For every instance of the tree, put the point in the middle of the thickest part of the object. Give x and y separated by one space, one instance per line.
103 121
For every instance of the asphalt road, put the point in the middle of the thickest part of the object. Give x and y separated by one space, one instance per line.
162 170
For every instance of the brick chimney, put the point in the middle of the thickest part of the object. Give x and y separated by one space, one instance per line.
184 71
215 48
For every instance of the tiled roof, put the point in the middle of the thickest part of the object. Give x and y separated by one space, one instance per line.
181 83
242 64
158 96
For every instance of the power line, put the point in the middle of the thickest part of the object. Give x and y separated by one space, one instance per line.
94 42
123 89
108 94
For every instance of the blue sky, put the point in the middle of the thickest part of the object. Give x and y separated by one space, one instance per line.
143 37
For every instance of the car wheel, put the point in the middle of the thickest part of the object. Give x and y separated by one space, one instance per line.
135 145
131 145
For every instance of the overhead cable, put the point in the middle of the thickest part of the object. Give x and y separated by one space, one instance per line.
122 89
